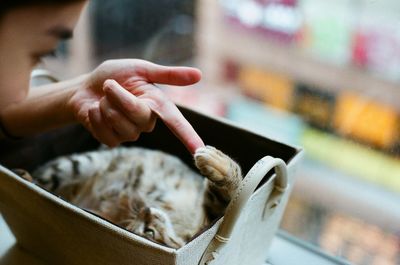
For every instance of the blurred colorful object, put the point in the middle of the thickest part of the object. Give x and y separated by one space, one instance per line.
376 44
277 19
267 121
314 105
341 235
355 239
328 27
274 89
353 158
366 120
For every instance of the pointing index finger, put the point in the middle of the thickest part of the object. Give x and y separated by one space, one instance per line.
182 129
169 113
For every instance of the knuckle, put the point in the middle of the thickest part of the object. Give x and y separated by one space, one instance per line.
150 127
135 136
112 116
107 63
131 107
114 142
92 111
108 84
110 143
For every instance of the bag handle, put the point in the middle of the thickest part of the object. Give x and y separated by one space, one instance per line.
246 189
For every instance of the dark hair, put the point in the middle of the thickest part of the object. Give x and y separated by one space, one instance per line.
7 5
19 3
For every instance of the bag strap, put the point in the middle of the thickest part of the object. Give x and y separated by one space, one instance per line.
246 189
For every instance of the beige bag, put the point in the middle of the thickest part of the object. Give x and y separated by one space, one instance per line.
61 233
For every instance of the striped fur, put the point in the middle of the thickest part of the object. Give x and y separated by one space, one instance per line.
147 192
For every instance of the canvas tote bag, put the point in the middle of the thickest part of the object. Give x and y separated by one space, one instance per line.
61 233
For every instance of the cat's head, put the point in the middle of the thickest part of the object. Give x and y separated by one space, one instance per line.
149 222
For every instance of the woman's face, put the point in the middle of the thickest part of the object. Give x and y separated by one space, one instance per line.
26 35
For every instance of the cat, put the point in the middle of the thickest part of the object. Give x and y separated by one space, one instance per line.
147 192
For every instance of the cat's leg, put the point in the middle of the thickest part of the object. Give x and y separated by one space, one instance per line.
224 176
23 174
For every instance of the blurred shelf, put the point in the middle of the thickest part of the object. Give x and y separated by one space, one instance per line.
358 160
338 191
337 174
218 40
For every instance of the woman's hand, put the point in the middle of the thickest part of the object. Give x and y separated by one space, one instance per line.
119 101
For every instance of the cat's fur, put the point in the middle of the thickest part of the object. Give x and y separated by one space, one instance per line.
150 193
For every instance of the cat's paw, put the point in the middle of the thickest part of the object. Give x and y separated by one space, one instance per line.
215 165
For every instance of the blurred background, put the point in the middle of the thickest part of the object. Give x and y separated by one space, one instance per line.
323 75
